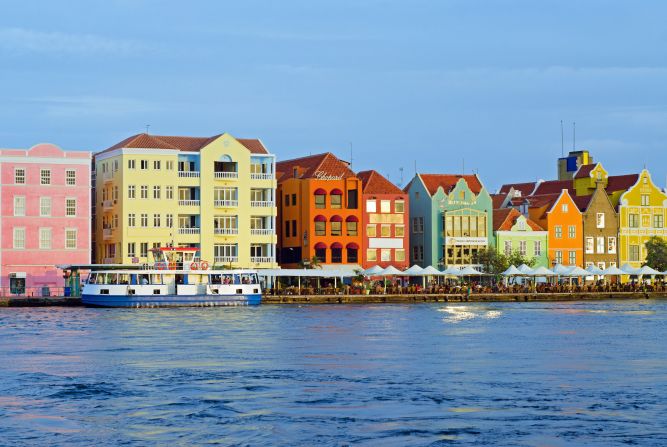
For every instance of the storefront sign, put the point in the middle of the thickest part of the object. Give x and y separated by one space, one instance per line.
465 241
321 175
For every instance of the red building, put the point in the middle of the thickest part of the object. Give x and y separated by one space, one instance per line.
385 222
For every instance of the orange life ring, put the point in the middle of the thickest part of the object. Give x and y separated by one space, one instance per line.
204 265
161 265
172 266
193 266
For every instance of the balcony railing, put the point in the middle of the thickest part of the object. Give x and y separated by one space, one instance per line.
107 233
107 204
261 203
226 175
225 259
261 259
188 173
188 202
226 203
226 231
258 176
262 231
107 176
109 260
188 231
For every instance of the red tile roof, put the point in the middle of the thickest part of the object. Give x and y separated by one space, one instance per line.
554 186
191 144
375 183
498 200
525 188
585 170
308 166
621 182
505 218
254 145
448 181
544 200
582 202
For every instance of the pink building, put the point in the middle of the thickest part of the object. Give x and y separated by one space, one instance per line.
45 216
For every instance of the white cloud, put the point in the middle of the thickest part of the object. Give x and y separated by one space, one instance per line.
21 40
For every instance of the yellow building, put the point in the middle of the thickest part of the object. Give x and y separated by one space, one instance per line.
216 194
642 214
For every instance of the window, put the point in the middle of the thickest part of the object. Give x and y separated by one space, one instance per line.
611 245
418 252
169 165
537 248
293 226
19 205
599 220
169 192
645 200
156 164
144 164
143 249
572 231
131 191
564 208
589 245
45 238
572 257
70 207
45 176
601 265
131 164
156 192
417 225
399 231
286 199
70 177
115 165
558 257
508 248
385 255
144 191
352 199
371 206
115 221
144 220
634 252
522 248
399 255
336 254
352 255
287 228
131 220
336 228
131 249
169 220
558 231
19 176
600 244
45 206
19 238
371 254
399 206
293 199
658 221
336 201
633 220
70 238
371 230
320 200
351 228
321 254
385 206
385 230
156 220
114 194
320 228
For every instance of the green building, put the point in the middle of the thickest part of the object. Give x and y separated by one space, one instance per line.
515 232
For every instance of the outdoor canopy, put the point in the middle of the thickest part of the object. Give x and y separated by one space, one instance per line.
560 269
512 271
577 271
593 270
646 270
415 270
612 270
628 269
542 271
468 271
523 268
391 271
372 271
432 271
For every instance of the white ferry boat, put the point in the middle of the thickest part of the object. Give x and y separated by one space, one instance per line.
176 278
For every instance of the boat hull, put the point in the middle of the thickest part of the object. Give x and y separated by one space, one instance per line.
170 300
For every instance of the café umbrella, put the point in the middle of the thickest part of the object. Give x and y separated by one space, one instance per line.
375 270
542 271
415 270
612 270
512 271
526 270
593 270
646 270
389 271
628 269
578 271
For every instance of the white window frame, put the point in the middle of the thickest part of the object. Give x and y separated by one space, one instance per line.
599 220
44 242
68 231
45 206
44 176
590 245
18 243
19 211
70 181
16 170
67 206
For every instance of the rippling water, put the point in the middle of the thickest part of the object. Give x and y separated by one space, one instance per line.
538 374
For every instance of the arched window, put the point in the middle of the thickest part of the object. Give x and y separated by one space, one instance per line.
351 225
320 225
320 198
336 226
352 252
321 252
336 198
336 252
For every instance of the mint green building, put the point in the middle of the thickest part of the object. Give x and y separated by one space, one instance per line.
514 232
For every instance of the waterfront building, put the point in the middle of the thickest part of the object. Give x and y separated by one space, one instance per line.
642 212
385 222
45 216
569 165
216 194
319 214
559 215
515 233
451 219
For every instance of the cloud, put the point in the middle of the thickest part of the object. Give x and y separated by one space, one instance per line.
21 40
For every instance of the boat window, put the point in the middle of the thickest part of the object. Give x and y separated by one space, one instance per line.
123 278
133 279
156 291
112 278
255 278
92 278
216 279
156 279
237 279
239 291
228 279
144 280
101 278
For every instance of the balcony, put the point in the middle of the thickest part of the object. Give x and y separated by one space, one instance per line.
107 177
262 231
226 203
226 175
188 202
225 259
107 233
261 203
108 260
107 205
188 231
188 174
256 176
261 259
226 231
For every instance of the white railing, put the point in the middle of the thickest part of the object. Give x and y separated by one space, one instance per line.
261 203
262 231
108 260
261 259
107 204
107 233
226 175
226 203
188 202
188 231
188 173
226 231
225 259
107 176
258 176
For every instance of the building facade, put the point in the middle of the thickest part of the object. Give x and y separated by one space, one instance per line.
45 207
600 228
451 219
213 193
515 233
642 214
385 222
319 212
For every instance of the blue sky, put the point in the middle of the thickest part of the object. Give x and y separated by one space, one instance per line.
434 82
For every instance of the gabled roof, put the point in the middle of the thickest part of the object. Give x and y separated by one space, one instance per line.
189 144
498 200
306 167
504 219
554 187
582 202
375 183
448 182
621 182
526 189
585 170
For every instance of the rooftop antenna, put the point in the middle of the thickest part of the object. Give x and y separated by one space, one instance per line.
574 134
351 155
401 171
148 126
562 140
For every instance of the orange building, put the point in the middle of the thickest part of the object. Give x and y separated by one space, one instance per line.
560 216
385 221
319 212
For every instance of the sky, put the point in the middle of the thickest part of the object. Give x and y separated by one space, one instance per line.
446 86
